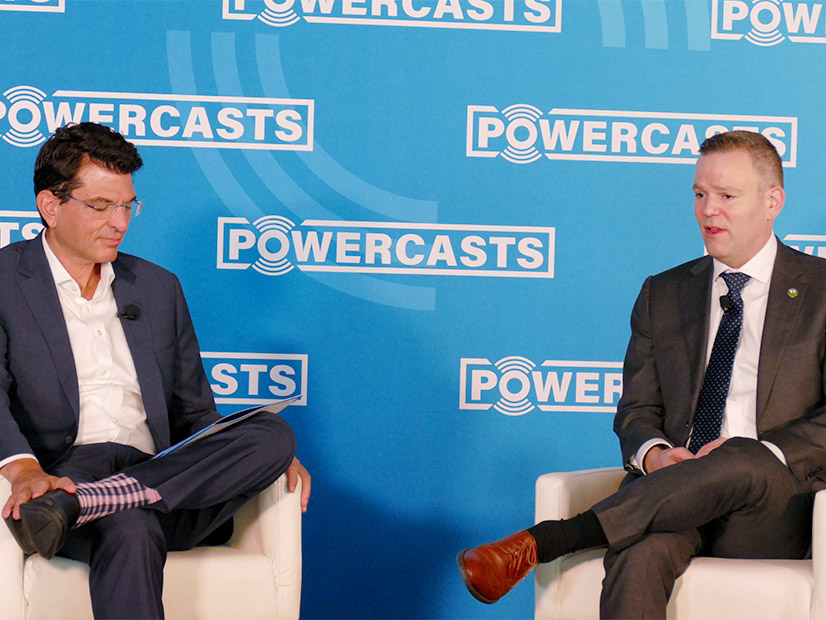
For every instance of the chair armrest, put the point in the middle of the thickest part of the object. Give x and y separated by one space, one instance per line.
562 495
11 567
819 556
270 524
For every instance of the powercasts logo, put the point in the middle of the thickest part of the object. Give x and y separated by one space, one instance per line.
28 115
516 385
18 226
256 378
273 246
768 22
523 134
525 15
40 6
814 245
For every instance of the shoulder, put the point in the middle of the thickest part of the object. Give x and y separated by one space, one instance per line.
25 255
687 271
130 266
791 259
13 251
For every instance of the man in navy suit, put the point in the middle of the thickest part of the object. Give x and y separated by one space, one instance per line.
722 430
99 370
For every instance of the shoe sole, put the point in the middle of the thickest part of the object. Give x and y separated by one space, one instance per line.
45 528
463 571
20 535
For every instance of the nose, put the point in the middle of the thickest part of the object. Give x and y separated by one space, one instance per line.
119 220
708 206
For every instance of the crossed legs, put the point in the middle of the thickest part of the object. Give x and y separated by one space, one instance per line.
201 488
739 501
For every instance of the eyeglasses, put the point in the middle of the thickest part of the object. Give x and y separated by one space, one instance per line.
106 209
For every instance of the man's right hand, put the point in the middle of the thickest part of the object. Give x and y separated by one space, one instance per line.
660 456
28 480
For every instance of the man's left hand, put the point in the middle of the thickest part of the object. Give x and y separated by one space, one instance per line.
295 472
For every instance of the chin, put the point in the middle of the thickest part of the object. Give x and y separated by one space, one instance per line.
712 251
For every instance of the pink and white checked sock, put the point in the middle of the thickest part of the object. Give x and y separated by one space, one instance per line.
111 495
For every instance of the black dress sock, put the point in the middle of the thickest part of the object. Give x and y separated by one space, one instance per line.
556 538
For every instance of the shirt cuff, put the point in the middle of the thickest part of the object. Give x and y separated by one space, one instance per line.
16 457
638 459
777 451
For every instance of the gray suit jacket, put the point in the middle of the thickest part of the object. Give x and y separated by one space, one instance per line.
39 398
665 361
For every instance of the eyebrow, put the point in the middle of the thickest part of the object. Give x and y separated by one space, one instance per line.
102 199
718 188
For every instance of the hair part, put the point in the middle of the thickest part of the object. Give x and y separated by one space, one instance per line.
766 160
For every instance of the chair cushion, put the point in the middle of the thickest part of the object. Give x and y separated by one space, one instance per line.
711 588
206 583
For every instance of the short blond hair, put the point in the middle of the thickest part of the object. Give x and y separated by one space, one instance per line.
765 157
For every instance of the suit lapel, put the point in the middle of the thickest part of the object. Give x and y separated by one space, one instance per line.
38 289
695 297
781 315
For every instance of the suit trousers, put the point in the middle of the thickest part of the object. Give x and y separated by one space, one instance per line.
201 487
740 501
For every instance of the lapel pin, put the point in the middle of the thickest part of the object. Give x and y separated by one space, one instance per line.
792 292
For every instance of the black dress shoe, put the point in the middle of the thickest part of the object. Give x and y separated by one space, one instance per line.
20 536
46 520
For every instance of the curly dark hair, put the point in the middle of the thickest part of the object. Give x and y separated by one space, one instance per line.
73 145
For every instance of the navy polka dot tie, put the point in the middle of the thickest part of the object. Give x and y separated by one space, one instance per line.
712 402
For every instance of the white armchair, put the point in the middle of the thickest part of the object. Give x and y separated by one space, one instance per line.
712 588
256 575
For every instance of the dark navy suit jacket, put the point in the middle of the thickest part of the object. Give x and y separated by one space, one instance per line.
39 398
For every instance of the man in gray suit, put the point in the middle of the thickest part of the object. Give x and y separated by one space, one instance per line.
722 422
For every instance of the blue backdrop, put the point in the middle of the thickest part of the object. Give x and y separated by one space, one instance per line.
428 217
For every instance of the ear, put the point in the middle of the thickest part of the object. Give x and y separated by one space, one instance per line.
47 204
776 198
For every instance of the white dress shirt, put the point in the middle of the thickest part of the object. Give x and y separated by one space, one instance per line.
740 414
111 406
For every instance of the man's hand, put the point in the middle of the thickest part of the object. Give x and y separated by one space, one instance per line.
28 480
660 456
711 445
295 471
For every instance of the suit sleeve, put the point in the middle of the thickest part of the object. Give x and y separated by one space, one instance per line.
803 443
795 415
12 441
640 412
192 405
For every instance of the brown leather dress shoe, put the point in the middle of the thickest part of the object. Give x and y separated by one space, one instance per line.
492 570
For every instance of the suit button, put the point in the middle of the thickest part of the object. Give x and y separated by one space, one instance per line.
69 439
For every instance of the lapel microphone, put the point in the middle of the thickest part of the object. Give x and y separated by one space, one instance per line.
131 312
726 303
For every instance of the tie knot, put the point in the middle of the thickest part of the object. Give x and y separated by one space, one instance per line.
735 282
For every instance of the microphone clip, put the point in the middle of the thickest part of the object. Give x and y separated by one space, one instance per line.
131 312
726 303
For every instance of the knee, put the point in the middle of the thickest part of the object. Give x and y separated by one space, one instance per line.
747 457
748 447
273 432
